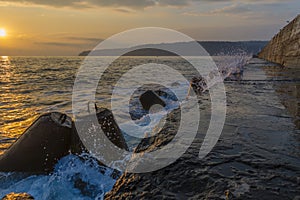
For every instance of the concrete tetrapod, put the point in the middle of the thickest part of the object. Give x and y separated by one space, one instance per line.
41 145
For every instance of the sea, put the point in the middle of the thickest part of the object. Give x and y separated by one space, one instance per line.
31 86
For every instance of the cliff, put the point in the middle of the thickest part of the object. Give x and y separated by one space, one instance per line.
284 48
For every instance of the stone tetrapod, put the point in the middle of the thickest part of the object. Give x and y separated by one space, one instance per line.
51 137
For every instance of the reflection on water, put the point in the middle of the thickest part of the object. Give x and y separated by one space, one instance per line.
255 147
29 86
291 99
287 85
15 116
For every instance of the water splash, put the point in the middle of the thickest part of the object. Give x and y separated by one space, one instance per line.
230 67
74 177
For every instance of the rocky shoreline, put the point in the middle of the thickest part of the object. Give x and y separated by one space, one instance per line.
255 158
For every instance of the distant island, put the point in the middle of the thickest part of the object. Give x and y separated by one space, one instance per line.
214 48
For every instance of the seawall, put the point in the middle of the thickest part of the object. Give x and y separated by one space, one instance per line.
284 48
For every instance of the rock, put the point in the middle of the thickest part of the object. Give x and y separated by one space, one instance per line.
109 127
17 196
164 136
40 146
150 98
142 186
167 94
284 48
51 137
198 84
236 168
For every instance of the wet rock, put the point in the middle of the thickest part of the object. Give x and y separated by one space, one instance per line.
198 84
167 94
150 98
142 186
164 136
136 109
255 158
17 196
40 146
51 137
109 127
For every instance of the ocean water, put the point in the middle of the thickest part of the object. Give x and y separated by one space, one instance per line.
73 178
30 86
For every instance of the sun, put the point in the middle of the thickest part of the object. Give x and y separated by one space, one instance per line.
2 33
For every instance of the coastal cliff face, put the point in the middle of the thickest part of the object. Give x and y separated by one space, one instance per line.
284 48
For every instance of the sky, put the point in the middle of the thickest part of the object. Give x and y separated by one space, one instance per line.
67 27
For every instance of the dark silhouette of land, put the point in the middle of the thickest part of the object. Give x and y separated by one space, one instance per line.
214 48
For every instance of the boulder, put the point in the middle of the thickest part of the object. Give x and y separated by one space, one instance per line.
143 186
111 128
108 126
150 98
51 137
40 146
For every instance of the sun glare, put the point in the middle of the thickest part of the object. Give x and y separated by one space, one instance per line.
2 33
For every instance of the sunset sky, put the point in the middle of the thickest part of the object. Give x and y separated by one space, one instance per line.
67 27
